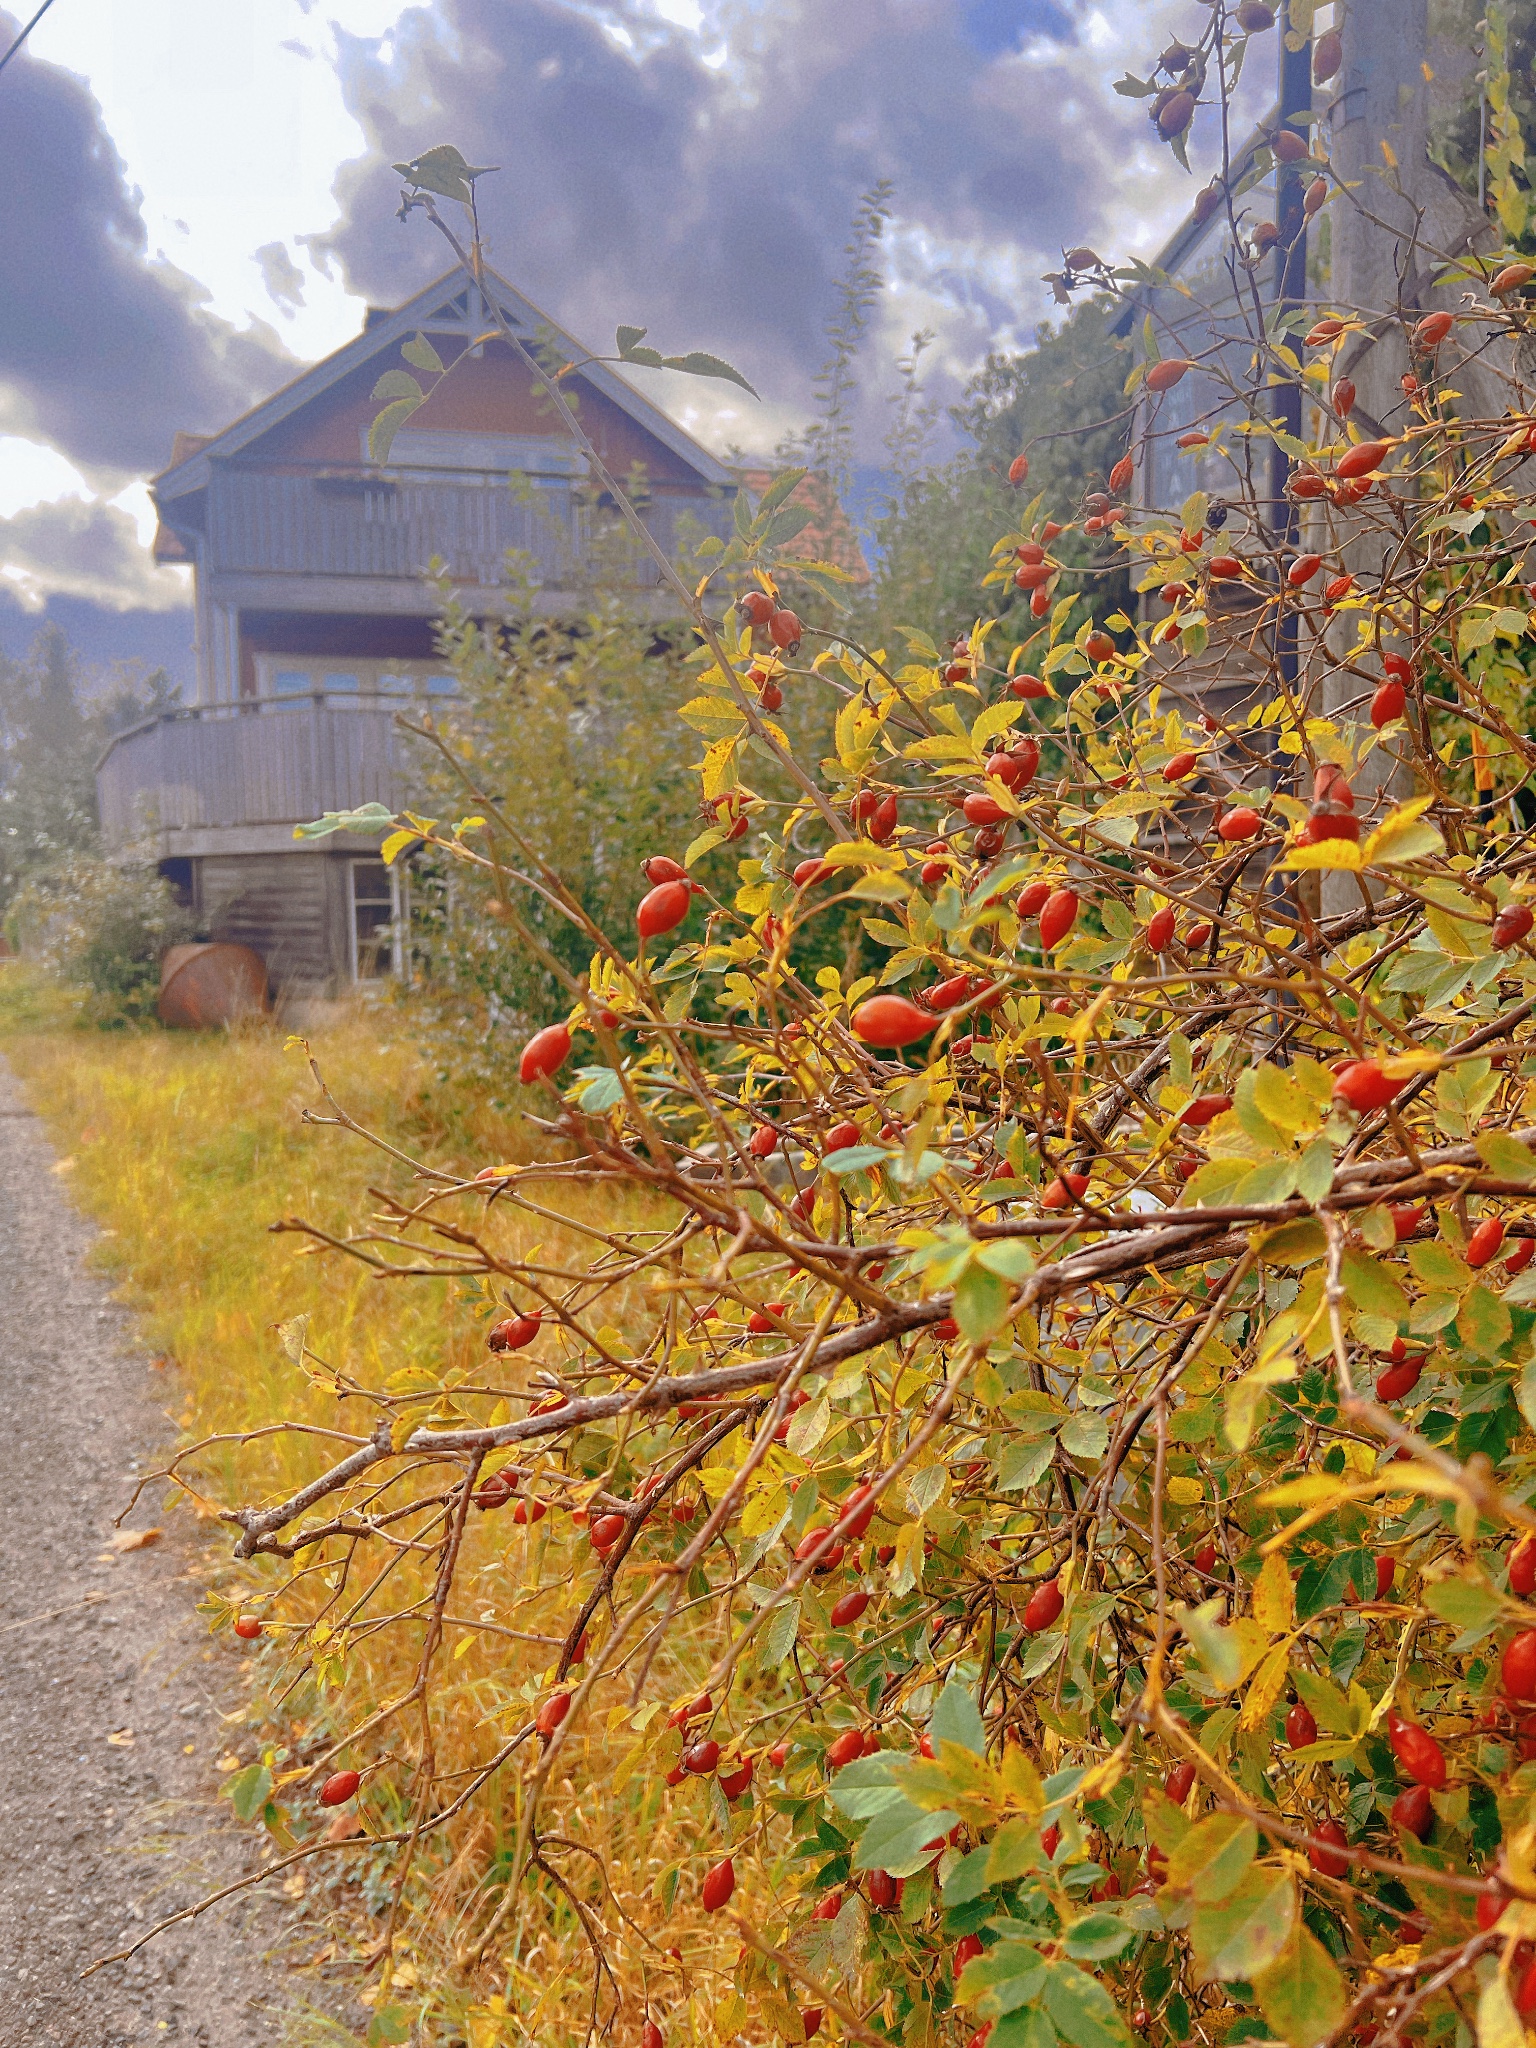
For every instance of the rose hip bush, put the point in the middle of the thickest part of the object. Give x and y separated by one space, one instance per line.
1034 1470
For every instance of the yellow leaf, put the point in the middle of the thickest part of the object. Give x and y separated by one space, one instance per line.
1274 1597
1185 1492
1498 2024
1328 853
1268 1680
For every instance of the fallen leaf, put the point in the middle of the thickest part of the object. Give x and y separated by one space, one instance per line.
135 1539
62 1166
121 1738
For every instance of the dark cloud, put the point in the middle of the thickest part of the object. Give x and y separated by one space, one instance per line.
88 551
712 204
281 275
102 350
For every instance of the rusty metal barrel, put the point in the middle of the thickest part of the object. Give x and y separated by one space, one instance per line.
205 986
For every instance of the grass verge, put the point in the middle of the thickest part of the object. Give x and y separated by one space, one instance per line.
185 1149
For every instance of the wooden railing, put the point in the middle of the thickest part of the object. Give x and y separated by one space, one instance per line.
364 523
264 762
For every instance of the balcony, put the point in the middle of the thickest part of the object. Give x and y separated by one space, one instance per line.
237 778
367 525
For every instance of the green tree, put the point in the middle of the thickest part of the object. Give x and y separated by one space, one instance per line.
1063 403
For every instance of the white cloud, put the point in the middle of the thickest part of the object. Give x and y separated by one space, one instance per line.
32 473
230 119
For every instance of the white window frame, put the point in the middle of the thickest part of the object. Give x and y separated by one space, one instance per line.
399 912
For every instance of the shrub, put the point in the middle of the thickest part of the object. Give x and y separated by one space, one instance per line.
100 926
999 1383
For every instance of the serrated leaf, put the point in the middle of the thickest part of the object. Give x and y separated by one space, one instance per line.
956 1718
700 364
1507 1157
1213 1857
398 384
421 355
385 426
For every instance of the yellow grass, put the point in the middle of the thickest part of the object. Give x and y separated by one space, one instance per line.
186 1148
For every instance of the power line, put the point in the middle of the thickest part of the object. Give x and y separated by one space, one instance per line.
32 24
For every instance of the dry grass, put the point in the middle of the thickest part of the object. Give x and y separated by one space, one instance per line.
185 1148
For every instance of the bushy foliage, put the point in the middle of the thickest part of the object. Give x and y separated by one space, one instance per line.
100 927
1034 1462
55 718
1063 400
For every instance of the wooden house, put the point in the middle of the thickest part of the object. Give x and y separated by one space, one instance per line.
315 609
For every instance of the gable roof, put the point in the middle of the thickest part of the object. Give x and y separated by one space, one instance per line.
451 305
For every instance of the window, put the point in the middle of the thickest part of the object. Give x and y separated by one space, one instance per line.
376 941
361 679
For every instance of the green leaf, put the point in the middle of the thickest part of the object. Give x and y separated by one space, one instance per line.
421 355
1003 1979
1314 1172
969 1878
784 526
370 818
900 1838
1243 1933
390 2024
1483 1323
629 338
1097 1937
381 435
783 486
1507 1157
1081 2009
957 1718
1028 2028
1437 1266
866 1787
698 364
1293 1244
980 1304
399 384
599 1088
1301 1993
249 1790
854 1158
443 170
1470 1605
1213 1856
1372 1288
1084 1436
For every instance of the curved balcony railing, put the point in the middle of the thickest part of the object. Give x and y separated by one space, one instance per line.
261 762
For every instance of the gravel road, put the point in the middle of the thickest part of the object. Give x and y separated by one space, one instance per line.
110 1690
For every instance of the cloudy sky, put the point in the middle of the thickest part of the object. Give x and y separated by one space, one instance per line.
200 201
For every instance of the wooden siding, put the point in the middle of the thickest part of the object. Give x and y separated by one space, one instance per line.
236 766
353 523
288 907
491 393
283 523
